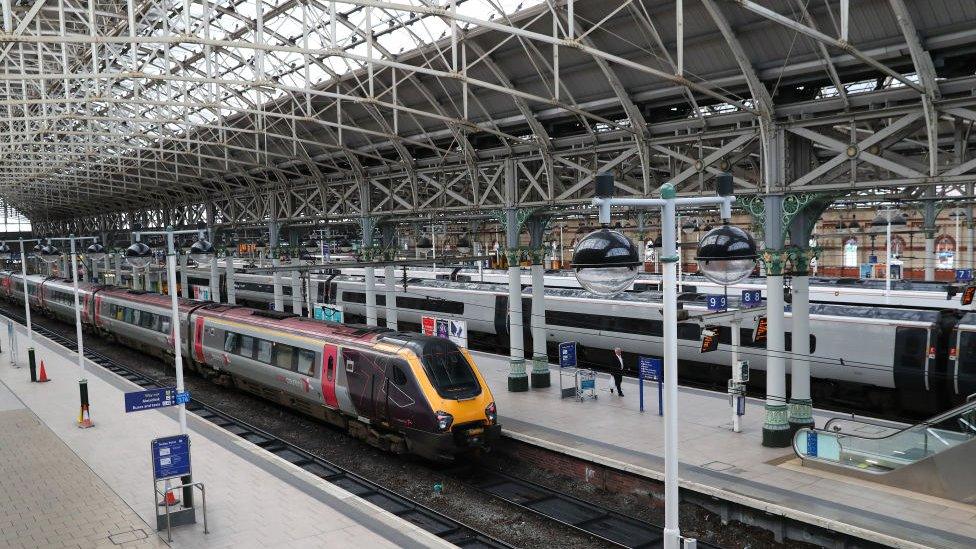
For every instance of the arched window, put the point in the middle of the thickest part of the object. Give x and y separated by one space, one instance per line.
850 252
945 252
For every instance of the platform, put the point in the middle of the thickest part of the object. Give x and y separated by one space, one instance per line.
717 462
61 486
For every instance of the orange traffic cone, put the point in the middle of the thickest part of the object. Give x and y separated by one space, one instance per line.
171 499
84 419
43 376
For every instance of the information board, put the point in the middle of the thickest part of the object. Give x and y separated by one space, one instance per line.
651 368
751 298
717 302
709 340
759 334
567 354
171 457
151 399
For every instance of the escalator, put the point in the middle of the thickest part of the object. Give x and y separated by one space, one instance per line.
934 457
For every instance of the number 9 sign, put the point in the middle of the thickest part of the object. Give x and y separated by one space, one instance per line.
717 302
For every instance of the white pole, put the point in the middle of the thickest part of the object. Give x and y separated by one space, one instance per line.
23 274
672 534
229 273
887 291
391 311
175 323
736 341
955 253
74 281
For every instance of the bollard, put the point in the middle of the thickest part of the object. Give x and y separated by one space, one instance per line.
84 415
690 543
32 364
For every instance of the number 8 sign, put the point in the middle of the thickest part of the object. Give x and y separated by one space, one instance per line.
751 298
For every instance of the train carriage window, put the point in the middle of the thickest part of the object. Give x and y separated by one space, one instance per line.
164 324
448 370
136 317
247 347
689 331
910 351
128 315
967 355
148 321
230 342
284 356
306 362
263 351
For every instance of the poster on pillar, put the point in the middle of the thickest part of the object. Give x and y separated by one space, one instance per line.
201 293
427 324
443 330
458 332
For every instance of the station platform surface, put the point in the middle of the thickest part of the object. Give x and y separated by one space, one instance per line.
61 486
716 461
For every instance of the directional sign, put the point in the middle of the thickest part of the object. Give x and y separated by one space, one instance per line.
717 302
567 354
651 369
182 397
151 399
967 295
751 298
964 275
171 457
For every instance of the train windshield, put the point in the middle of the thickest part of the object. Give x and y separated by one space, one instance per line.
449 370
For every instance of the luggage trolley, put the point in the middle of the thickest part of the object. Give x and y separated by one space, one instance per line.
585 385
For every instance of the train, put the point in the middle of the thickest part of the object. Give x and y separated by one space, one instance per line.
917 360
402 392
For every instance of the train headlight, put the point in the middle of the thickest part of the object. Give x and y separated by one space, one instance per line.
726 255
444 420
605 262
491 413
138 255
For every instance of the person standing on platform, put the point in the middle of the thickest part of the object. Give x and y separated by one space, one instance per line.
618 372
813 266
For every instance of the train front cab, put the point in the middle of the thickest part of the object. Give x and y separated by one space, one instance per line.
464 415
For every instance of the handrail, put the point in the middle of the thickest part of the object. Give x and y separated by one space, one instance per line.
958 410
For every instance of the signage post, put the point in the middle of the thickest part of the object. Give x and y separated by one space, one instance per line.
567 359
652 369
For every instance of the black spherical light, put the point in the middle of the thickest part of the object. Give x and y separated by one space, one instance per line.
606 262
138 255
726 255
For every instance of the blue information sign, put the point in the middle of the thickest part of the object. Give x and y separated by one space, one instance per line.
811 443
567 354
171 457
964 275
151 399
717 302
651 368
751 298
183 398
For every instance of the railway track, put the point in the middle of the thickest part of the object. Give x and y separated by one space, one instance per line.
601 523
433 521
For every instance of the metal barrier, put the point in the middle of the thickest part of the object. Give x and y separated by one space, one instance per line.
169 525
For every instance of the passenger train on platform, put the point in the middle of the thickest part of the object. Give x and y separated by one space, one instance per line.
402 392
887 358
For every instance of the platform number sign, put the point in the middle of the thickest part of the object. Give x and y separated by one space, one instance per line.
964 275
751 298
717 302
567 354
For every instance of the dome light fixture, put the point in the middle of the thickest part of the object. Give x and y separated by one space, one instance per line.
49 253
202 251
605 262
138 255
96 252
464 245
727 255
4 251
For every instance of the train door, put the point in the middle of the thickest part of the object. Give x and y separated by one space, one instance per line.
963 350
380 387
198 340
911 358
96 318
330 361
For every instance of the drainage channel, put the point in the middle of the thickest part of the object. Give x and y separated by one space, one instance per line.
610 526
416 513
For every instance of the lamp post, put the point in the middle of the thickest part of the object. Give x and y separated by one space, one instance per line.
606 262
138 256
96 253
887 217
31 360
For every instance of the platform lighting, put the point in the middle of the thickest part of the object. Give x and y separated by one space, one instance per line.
463 245
4 251
888 217
138 255
50 253
96 252
726 255
202 251
619 254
